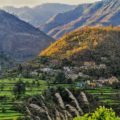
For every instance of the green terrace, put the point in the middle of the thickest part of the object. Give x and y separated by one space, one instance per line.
106 95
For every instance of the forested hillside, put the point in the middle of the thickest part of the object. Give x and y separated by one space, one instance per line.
88 45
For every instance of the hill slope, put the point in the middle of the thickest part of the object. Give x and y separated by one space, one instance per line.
20 39
87 38
99 45
40 14
103 13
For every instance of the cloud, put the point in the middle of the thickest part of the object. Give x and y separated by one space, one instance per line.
37 2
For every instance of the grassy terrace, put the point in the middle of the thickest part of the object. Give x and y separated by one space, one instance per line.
8 113
106 95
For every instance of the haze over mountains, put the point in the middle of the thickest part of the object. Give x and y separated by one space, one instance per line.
20 39
58 19
103 13
40 14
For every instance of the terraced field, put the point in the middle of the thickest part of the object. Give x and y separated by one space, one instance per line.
106 95
7 97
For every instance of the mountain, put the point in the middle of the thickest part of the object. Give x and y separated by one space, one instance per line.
40 14
96 46
19 39
102 13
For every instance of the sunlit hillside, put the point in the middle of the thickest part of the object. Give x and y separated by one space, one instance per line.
94 39
96 47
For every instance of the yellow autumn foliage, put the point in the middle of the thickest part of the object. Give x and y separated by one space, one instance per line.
78 41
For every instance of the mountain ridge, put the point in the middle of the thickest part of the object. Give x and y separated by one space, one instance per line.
102 13
17 40
39 14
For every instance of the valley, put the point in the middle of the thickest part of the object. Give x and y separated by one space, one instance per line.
60 61
86 69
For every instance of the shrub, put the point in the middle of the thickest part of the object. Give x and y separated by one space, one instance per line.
19 89
3 110
101 113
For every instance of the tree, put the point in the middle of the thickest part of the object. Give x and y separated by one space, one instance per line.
60 78
3 110
101 113
2 87
19 89
66 62
20 68
116 85
43 59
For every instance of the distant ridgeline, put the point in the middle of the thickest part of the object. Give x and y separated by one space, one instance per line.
101 13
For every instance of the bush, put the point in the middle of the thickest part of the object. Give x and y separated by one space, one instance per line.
116 85
3 110
19 89
59 78
101 113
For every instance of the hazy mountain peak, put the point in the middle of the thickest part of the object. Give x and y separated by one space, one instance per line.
39 14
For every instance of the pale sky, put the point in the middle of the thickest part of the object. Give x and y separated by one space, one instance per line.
19 3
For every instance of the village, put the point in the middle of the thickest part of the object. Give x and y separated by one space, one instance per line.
76 76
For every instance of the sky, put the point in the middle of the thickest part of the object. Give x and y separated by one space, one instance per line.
31 3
